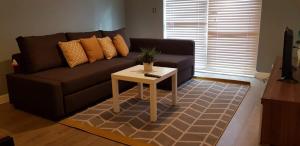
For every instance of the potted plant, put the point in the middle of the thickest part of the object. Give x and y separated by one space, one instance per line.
147 57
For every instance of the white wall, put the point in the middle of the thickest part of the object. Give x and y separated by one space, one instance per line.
41 17
276 14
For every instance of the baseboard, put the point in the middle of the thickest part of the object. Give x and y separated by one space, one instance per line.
4 98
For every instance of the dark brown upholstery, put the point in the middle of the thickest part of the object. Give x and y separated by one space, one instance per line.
175 53
182 76
41 52
79 35
121 31
86 75
39 96
92 95
180 62
76 101
54 91
166 46
133 55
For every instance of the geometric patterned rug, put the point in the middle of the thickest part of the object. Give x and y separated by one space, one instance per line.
201 115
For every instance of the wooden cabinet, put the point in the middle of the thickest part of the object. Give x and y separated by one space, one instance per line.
281 110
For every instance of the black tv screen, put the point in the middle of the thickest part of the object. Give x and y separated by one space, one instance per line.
287 67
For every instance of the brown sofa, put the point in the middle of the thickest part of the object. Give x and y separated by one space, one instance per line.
44 85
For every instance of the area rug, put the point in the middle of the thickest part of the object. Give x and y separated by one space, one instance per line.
200 117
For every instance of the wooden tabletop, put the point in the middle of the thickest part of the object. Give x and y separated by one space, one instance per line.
137 74
282 91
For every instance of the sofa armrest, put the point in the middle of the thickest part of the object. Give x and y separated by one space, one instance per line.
35 95
19 67
166 46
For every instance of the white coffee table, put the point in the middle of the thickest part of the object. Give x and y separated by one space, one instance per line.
136 74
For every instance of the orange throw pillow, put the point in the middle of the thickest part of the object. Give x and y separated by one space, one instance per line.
92 49
121 45
108 47
73 52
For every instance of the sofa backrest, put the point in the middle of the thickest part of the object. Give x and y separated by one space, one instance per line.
41 52
168 46
78 35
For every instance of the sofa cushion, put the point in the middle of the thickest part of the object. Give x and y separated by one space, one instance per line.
86 75
80 35
108 48
92 49
113 33
41 52
121 45
180 62
73 52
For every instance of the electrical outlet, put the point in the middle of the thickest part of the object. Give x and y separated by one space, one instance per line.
153 10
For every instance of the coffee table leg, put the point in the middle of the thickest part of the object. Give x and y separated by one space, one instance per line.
141 90
153 103
115 88
174 88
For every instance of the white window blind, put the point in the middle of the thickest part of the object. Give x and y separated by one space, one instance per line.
187 19
233 33
226 32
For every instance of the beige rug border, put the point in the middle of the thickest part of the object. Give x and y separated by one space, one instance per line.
223 80
134 142
233 82
103 133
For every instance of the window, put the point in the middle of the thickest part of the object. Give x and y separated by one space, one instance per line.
187 19
226 32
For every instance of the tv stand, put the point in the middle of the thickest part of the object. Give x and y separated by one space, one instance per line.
290 79
281 110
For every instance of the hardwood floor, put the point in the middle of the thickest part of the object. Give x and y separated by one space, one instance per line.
244 128
250 136
3 99
29 130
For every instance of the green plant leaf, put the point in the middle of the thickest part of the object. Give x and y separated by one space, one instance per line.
147 55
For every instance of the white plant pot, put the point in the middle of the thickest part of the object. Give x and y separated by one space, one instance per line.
148 67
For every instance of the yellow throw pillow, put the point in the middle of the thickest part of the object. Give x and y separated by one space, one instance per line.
73 52
92 49
108 47
121 45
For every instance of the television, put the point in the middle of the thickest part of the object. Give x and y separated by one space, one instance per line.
287 58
